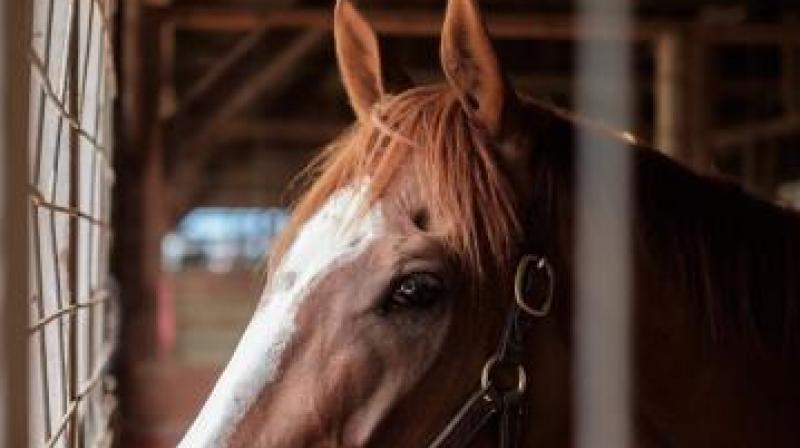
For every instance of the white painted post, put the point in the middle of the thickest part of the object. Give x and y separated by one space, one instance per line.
603 291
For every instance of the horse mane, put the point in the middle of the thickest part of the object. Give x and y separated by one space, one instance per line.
733 255
425 131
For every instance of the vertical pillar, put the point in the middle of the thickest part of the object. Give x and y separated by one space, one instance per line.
73 263
602 361
700 97
138 193
670 87
791 80
167 99
139 199
153 208
14 298
682 97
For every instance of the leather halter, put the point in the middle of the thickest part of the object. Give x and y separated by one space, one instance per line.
490 400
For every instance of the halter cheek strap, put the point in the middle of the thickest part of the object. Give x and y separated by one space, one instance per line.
491 398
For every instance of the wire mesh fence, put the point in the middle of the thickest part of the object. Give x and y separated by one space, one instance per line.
72 311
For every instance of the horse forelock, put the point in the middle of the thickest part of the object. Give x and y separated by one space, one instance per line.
425 132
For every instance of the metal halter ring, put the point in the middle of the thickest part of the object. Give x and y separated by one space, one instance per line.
519 285
486 382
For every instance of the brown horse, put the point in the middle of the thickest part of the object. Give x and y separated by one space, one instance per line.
400 276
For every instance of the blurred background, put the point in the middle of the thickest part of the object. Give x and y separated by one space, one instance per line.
194 116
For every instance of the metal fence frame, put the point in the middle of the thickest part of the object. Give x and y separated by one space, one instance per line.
71 106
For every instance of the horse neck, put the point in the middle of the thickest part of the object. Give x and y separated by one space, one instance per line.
732 255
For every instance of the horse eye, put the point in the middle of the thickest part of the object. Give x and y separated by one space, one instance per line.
413 291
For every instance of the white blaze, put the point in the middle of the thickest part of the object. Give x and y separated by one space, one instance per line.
333 235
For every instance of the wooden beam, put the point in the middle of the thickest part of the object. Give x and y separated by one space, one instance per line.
502 26
221 68
270 79
404 23
751 34
726 140
273 76
289 131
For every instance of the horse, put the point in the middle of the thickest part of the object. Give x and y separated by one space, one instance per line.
423 291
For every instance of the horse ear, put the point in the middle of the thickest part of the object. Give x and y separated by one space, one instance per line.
471 66
365 76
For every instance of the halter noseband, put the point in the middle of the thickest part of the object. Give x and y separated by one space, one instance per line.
490 399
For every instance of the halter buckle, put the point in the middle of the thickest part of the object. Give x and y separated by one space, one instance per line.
487 374
521 278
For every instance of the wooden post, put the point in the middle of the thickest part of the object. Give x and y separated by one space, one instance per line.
135 201
700 96
73 262
670 87
167 98
138 201
681 97
791 80
14 299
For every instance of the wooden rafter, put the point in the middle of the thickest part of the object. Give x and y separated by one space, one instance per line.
265 82
221 68
269 79
502 26
304 132
747 135
406 23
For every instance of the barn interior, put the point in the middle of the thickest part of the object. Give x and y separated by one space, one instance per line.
222 103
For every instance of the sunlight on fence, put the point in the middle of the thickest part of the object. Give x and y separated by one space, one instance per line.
72 316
